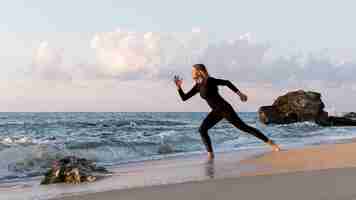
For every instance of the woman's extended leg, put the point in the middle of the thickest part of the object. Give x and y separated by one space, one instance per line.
212 119
234 119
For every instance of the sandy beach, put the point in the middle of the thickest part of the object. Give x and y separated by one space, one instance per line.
318 172
324 184
324 171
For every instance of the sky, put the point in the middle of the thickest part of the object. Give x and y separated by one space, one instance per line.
112 56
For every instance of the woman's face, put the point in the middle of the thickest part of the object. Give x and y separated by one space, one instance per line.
195 74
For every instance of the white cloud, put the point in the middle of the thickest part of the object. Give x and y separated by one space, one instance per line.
86 76
48 63
147 54
127 55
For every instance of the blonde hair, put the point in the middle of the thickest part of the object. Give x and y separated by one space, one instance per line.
203 72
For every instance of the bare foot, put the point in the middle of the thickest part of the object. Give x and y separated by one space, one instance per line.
211 156
274 146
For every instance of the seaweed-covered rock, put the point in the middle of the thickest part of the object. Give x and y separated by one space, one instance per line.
73 170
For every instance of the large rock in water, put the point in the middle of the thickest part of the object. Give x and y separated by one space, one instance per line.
350 115
73 170
292 107
299 106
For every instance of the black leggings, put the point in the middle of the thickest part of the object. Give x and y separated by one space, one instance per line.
230 115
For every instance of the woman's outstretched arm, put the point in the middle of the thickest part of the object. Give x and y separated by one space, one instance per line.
188 95
185 96
232 87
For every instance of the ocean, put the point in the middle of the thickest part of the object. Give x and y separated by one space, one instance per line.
30 142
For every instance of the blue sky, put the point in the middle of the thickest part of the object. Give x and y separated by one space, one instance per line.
316 23
54 39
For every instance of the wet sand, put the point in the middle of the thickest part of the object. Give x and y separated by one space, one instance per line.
325 184
315 172
319 172
178 169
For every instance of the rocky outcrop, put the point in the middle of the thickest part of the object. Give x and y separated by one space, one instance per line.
299 106
350 115
73 170
292 107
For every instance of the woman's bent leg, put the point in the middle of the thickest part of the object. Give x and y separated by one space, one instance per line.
212 119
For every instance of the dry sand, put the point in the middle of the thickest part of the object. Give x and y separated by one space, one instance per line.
305 159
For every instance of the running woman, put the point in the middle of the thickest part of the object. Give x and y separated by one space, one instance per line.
207 86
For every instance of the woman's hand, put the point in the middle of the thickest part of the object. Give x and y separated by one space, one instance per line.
178 81
243 97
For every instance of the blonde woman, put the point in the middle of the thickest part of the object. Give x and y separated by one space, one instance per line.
207 86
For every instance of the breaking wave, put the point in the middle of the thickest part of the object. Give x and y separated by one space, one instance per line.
30 142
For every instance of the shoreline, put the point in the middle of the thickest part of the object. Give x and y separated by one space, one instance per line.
137 175
195 170
320 184
309 173
188 155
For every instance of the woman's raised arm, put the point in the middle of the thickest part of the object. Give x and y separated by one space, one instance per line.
227 83
232 87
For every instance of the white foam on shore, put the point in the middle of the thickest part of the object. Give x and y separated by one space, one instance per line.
140 174
172 169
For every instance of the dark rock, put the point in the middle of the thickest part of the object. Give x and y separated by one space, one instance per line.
350 115
72 170
325 120
52 138
293 107
300 106
165 149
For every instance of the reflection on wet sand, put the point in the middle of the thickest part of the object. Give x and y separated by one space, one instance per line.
210 168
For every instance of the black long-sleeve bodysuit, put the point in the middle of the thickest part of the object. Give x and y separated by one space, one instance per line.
220 109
